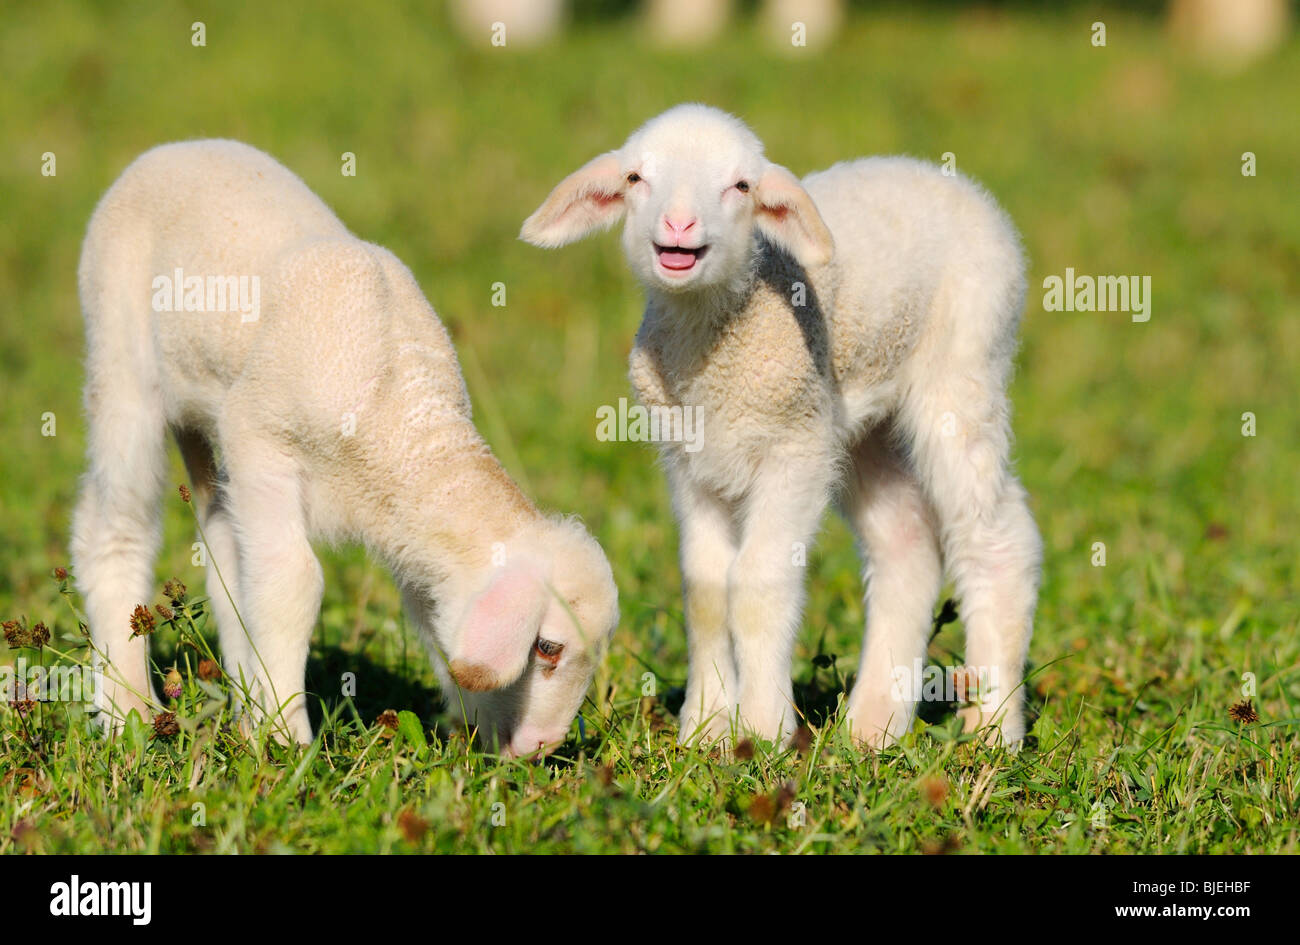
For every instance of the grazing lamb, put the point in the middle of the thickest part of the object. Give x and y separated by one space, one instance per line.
333 408
849 336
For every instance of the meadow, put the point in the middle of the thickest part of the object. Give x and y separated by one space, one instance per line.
1172 442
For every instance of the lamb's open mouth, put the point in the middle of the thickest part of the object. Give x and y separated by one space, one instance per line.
679 259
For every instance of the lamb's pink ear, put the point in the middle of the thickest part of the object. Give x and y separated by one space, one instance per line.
589 199
786 215
499 630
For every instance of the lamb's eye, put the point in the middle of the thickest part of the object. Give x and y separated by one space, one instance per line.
742 186
634 178
549 650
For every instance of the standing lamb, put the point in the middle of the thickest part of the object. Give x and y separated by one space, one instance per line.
314 394
852 335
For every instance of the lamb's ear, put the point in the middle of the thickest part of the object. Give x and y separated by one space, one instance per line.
786 215
499 629
589 199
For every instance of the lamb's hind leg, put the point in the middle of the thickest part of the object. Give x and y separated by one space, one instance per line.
116 528
896 530
958 423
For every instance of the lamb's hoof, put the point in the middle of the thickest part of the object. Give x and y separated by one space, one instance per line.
876 740
878 723
712 732
116 706
1006 730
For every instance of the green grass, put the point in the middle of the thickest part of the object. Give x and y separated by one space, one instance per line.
1117 160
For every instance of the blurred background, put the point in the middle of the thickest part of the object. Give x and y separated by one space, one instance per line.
1115 135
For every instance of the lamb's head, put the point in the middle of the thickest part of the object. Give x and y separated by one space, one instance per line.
530 637
696 192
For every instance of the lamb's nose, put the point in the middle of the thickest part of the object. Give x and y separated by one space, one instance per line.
679 227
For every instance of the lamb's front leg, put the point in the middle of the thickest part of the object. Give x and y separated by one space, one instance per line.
707 550
766 585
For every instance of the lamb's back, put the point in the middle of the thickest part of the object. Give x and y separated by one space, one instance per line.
210 209
908 239
215 203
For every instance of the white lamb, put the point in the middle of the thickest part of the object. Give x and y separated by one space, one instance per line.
852 336
333 408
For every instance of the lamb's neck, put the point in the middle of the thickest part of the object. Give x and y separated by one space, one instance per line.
455 512
711 308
